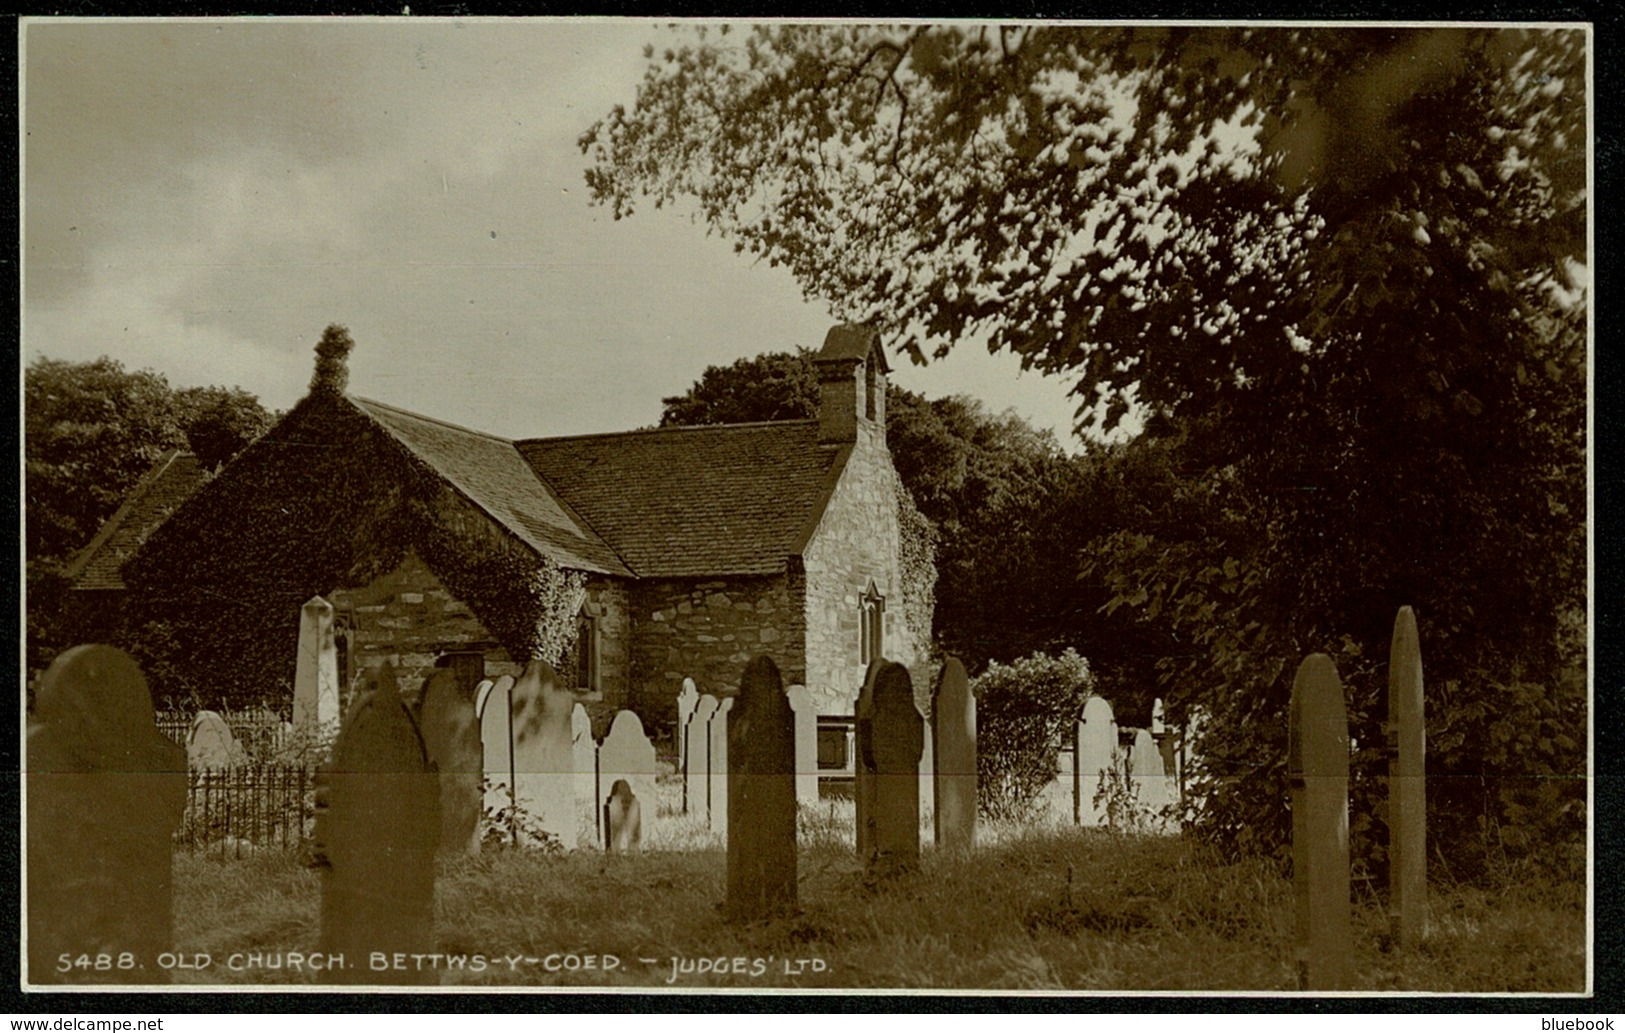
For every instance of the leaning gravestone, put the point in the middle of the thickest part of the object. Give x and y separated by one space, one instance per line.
584 762
210 746
761 796
928 767
1146 774
953 735
451 735
806 720
316 671
687 700
1318 770
496 742
1407 785
716 778
105 791
378 831
623 819
544 782
1097 738
891 740
696 758
863 772
626 755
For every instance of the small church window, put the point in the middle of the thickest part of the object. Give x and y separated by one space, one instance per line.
869 388
871 625
586 651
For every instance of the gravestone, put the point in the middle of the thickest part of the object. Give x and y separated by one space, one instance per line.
953 736
451 737
1407 784
687 700
1146 774
761 796
316 671
716 779
891 740
1056 798
806 721
623 819
496 739
863 772
696 758
377 832
210 746
105 791
544 782
1318 769
627 755
584 762
1097 738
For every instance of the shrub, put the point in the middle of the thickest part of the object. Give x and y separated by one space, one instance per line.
1024 712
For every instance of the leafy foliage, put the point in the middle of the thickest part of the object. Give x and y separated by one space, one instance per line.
1357 341
1025 712
91 431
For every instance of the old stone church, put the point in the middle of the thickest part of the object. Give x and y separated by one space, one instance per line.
697 547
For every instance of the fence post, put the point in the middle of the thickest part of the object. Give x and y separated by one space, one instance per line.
378 828
1318 769
761 796
1407 784
105 791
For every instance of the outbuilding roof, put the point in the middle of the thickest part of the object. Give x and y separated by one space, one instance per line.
173 479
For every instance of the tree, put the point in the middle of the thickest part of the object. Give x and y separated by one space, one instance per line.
91 431
1361 335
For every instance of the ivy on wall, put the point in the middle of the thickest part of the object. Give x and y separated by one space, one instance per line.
917 562
327 499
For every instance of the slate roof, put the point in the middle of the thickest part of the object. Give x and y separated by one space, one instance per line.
694 501
489 472
170 482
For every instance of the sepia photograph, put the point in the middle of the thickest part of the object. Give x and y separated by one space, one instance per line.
816 506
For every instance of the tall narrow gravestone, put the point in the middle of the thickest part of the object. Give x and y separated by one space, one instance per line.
316 671
1097 738
806 719
927 768
1146 774
496 738
891 740
953 730
863 772
716 778
1407 784
761 796
451 736
377 831
697 759
584 761
105 791
1318 767
544 784
687 700
626 755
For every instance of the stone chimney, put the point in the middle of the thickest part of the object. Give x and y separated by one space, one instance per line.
851 384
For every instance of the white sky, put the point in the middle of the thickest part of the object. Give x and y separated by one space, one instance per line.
203 197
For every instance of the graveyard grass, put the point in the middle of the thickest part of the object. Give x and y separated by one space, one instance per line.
1032 909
